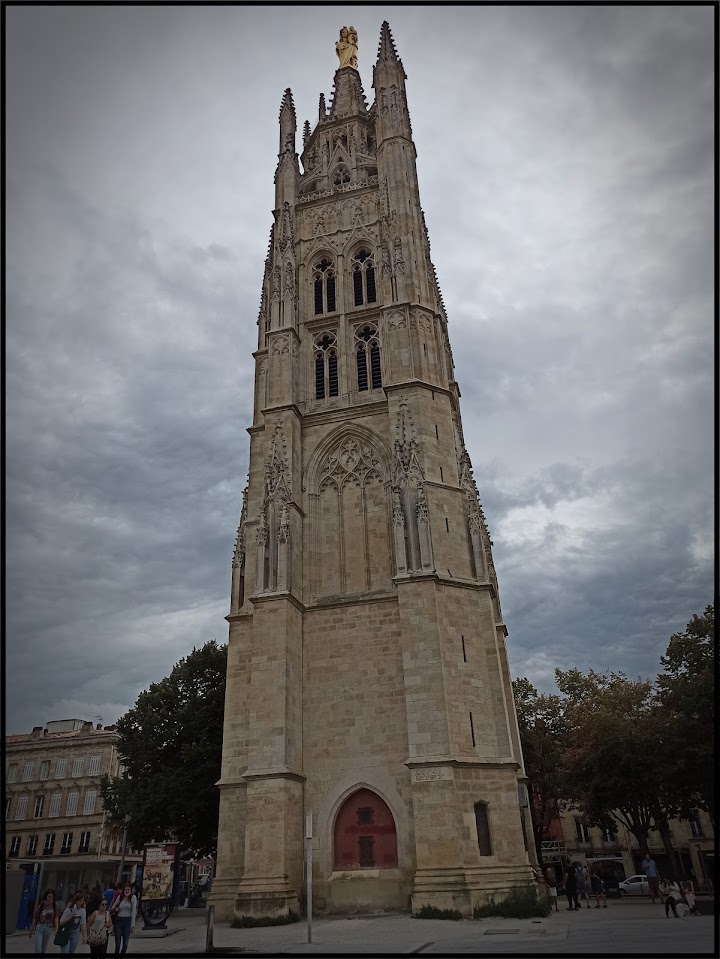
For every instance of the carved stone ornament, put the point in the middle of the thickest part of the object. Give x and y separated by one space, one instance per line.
239 554
289 279
397 255
276 282
407 464
398 513
277 479
286 229
350 460
280 345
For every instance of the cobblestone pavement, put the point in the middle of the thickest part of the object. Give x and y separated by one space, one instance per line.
625 928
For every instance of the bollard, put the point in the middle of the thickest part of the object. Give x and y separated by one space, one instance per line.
210 928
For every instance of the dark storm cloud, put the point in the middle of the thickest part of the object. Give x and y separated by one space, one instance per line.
565 164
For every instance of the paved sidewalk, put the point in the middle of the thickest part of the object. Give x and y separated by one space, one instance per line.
624 928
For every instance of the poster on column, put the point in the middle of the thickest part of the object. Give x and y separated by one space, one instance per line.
159 872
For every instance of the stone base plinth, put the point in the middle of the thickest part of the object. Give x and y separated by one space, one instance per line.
463 889
266 896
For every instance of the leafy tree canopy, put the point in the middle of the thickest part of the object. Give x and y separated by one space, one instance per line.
170 744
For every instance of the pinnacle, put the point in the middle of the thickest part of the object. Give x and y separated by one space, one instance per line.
287 102
386 48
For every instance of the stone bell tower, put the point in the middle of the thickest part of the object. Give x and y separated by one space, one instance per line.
368 679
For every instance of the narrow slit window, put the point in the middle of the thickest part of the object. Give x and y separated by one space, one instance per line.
462 638
318 296
375 365
362 370
447 525
331 294
370 276
319 379
333 374
483 829
472 729
358 287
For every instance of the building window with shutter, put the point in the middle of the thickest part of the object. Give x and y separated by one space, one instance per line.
28 772
49 846
72 804
84 842
60 768
367 356
8 806
78 766
94 766
324 286
363 274
39 803
367 854
483 828
326 366
45 769
12 773
89 805
55 801
66 843
582 832
21 808
32 845
15 847
696 828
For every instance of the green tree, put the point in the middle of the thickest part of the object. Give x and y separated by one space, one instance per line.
619 766
686 690
543 737
170 744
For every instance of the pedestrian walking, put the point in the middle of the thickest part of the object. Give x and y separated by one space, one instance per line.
551 882
583 884
124 910
571 887
44 922
99 926
649 868
109 893
94 899
75 918
598 889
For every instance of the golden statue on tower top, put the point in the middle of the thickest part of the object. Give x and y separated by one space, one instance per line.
346 47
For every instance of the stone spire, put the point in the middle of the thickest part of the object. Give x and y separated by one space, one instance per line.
386 49
288 123
322 109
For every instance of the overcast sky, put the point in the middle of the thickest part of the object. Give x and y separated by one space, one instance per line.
565 158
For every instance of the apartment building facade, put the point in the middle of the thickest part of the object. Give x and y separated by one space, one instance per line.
693 842
56 829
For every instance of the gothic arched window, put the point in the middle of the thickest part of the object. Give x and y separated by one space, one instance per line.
326 366
367 353
324 286
341 176
363 271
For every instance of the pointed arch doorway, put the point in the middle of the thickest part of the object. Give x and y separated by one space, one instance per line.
364 836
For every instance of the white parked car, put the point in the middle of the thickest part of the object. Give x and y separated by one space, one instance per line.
634 886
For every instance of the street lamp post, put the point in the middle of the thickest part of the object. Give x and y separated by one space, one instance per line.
121 867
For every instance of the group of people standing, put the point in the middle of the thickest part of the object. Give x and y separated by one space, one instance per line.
668 891
579 883
115 909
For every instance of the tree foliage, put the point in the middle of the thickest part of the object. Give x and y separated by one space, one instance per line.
170 744
544 739
623 750
686 691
